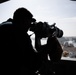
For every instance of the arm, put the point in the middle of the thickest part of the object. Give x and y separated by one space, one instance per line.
54 48
38 45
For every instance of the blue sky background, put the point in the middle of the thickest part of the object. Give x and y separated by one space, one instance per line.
62 12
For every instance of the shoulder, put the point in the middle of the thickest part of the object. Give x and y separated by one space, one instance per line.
6 26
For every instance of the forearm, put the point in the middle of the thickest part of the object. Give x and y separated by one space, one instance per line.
37 43
39 47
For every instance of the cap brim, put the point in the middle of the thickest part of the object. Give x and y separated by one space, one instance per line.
33 20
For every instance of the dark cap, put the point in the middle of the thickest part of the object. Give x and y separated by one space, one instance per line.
22 13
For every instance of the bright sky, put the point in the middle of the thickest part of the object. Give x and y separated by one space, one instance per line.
62 12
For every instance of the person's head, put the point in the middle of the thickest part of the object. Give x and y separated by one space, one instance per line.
22 18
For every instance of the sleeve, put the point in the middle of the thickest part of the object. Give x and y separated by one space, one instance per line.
54 49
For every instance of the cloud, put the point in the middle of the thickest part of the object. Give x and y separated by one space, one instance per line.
68 25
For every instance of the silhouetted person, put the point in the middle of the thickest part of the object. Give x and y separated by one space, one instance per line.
17 54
